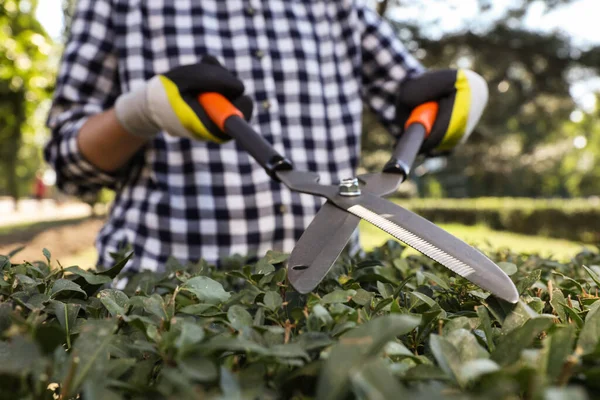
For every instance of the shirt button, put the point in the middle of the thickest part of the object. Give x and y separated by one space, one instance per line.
259 54
266 104
250 10
282 209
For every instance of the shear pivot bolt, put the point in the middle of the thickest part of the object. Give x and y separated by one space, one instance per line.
349 187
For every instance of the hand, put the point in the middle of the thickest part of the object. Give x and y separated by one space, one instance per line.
462 96
169 102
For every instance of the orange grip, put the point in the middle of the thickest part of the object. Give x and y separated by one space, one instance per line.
218 108
425 114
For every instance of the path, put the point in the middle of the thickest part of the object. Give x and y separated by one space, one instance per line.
31 211
69 236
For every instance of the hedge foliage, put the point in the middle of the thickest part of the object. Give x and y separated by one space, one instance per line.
380 326
574 219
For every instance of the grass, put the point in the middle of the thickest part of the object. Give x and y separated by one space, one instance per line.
479 236
483 237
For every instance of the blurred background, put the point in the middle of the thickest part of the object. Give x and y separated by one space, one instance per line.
526 180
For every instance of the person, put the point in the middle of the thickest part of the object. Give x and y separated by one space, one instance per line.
39 187
125 116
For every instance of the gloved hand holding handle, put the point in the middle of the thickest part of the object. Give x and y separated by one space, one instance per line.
168 102
461 95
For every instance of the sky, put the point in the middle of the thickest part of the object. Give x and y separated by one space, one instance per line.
579 20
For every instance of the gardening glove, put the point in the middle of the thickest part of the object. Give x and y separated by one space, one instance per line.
462 96
169 102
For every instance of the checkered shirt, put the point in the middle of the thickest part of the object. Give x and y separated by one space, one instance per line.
308 64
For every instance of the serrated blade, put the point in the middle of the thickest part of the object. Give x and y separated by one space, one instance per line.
319 247
434 242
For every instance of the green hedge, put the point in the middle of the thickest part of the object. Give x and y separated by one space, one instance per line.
577 219
379 327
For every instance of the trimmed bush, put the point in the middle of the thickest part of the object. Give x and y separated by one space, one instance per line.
380 326
577 220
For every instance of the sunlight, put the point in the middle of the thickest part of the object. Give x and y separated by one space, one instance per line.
50 15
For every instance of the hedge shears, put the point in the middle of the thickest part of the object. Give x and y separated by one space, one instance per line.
360 198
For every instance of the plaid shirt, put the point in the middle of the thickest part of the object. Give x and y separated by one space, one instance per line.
309 65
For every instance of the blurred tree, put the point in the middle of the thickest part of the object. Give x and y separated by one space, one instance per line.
25 84
68 7
520 146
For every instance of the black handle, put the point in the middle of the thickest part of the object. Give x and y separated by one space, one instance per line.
257 146
406 150
231 121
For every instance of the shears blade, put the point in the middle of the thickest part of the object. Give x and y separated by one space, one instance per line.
436 243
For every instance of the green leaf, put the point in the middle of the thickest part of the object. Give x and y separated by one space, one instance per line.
32 300
290 350
381 304
272 300
110 273
47 254
90 277
355 348
453 352
191 334
310 341
426 372
374 380
508 268
486 325
5 317
229 385
19 356
590 334
236 344
510 346
50 337
115 301
63 287
385 289
117 268
25 280
263 267
396 349
528 281
276 257
91 352
362 297
66 314
446 355
557 348
238 317
199 309
418 297
155 305
474 369
338 296
198 368
206 290
438 280
4 263
520 314
592 275
467 345
558 299
573 314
